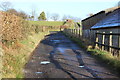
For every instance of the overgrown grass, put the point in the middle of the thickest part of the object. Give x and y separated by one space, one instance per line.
15 59
47 23
111 61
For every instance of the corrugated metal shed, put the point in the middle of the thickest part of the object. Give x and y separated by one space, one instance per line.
111 20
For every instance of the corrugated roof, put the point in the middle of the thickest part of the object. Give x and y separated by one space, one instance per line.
111 20
111 9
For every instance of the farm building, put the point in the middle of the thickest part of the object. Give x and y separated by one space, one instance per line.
89 22
104 29
92 20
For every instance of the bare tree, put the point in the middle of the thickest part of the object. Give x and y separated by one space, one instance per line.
48 15
55 16
12 11
64 18
76 19
117 4
6 6
33 12
21 14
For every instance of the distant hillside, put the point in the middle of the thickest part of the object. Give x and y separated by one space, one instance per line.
46 23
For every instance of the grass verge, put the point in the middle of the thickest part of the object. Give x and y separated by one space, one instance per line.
111 62
107 58
17 56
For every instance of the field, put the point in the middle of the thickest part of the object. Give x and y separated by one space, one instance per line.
47 23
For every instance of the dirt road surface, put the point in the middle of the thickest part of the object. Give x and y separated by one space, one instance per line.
64 60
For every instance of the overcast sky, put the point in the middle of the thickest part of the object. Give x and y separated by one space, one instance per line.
77 8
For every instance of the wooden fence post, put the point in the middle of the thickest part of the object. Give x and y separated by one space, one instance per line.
110 43
96 45
103 41
70 32
67 32
76 33
79 32
119 44
64 31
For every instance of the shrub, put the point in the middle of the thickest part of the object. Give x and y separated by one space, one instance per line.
13 27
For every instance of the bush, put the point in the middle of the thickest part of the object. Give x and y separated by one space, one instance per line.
13 27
